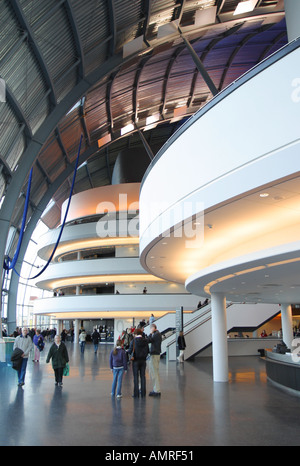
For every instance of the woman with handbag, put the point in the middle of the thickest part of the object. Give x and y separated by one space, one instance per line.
59 354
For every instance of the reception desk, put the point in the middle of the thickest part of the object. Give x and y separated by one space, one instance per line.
283 371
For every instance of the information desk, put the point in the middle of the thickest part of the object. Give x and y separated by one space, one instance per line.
282 370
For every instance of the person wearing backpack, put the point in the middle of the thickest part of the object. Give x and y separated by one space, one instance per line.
38 341
139 350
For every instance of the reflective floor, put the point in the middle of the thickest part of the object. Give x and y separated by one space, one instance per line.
192 410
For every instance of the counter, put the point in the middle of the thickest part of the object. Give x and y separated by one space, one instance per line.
282 370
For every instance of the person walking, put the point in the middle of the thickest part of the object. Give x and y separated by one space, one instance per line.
82 339
96 339
24 343
139 349
182 346
155 339
38 341
118 365
59 354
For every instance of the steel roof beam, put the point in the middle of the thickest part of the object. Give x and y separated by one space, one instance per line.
62 146
209 82
18 111
77 39
83 122
38 55
166 78
112 25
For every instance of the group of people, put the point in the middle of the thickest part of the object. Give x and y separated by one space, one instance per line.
24 344
140 348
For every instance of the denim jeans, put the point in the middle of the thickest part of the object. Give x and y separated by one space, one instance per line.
82 346
22 371
117 381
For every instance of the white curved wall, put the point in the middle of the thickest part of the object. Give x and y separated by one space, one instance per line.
249 139
112 198
72 270
88 235
113 305
215 173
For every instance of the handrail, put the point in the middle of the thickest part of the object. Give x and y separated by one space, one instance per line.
196 326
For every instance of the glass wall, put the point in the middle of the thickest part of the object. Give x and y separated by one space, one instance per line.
27 291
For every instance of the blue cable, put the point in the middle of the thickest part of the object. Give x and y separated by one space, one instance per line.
10 264
64 221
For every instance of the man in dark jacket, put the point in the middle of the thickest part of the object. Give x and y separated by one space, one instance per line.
155 339
181 346
96 339
59 354
139 350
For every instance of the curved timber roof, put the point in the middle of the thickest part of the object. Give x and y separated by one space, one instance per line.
96 66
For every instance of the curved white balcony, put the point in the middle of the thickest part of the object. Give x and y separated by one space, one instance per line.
227 187
113 306
115 209
91 272
102 233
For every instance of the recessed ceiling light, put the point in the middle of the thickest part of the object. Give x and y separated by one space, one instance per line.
264 195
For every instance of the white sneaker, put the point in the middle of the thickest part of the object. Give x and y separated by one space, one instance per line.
119 396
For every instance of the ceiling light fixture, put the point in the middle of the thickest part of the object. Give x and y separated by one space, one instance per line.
245 7
126 129
152 119
264 195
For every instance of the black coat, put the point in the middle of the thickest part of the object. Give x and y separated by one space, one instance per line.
16 359
96 337
59 356
141 349
181 343
155 339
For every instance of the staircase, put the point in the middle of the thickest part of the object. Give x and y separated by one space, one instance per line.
197 326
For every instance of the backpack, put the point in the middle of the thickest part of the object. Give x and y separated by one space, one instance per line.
40 344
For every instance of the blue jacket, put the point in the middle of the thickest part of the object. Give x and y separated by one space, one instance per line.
118 360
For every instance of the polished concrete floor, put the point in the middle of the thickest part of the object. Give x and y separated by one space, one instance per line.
193 410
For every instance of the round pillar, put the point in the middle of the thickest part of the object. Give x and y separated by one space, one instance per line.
76 331
287 324
292 15
219 337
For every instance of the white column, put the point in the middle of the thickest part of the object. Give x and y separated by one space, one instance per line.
219 337
292 15
287 324
76 331
60 326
